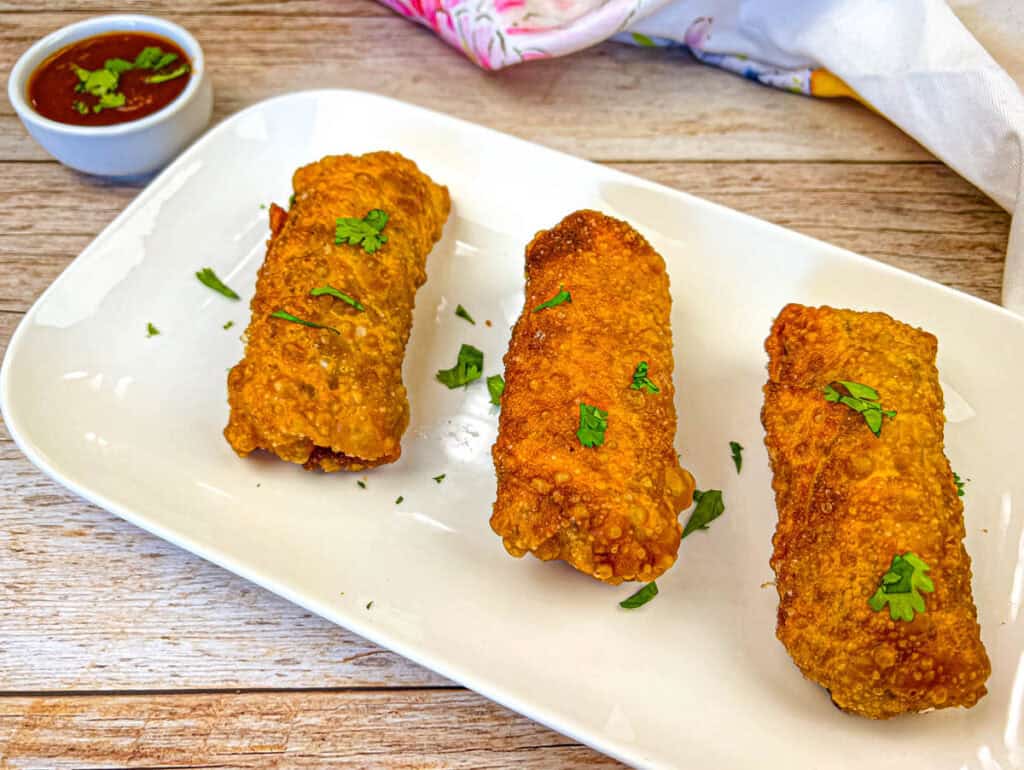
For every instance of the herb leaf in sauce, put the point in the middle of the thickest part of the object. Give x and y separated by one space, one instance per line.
295 320
163 77
468 367
496 386
709 507
900 587
558 299
641 597
593 424
153 57
365 232
319 291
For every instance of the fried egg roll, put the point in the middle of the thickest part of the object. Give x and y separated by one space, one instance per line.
322 384
610 508
873 578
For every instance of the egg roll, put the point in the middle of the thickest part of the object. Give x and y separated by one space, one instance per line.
873 578
321 380
609 509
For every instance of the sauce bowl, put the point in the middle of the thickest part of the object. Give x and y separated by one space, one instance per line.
124 149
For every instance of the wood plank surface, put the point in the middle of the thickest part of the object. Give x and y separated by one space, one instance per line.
119 650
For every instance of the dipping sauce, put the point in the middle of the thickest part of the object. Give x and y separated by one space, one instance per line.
106 79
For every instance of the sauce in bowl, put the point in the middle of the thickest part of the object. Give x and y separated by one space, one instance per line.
106 79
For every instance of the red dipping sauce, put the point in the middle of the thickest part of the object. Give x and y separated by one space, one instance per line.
106 79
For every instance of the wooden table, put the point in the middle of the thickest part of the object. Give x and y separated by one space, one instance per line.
119 650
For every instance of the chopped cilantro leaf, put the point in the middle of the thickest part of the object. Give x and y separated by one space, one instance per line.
153 57
960 483
361 484
593 424
109 101
641 597
229 324
117 66
496 386
209 278
365 232
369 604
319 291
80 107
398 500
709 507
291 200
296 320
163 77
461 312
440 478
468 367
641 381
558 299
900 587
737 454
862 399
151 331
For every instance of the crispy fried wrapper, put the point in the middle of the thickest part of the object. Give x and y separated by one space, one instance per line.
330 400
849 501
610 511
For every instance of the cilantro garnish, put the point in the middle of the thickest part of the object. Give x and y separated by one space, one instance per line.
117 66
319 291
150 58
440 478
361 484
151 331
80 107
558 299
291 200
641 381
863 400
641 597
365 231
398 500
163 77
709 507
593 424
469 367
229 324
296 320
496 386
737 454
369 604
461 312
209 278
900 587
960 484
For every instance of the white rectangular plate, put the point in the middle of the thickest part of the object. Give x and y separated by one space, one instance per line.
695 678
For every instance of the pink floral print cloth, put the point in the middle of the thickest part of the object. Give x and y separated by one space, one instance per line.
911 60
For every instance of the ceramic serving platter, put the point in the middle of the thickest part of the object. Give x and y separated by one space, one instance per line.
694 679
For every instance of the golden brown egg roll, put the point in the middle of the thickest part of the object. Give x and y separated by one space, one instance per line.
333 398
850 502
609 510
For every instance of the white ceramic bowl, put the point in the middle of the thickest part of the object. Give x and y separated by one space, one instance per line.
125 149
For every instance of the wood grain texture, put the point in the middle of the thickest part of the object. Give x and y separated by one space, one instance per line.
91 605
278 730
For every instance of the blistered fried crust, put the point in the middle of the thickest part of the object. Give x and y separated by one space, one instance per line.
848 502
609 511
325 400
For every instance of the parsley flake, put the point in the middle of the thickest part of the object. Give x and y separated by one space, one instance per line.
151 331
369 604
737 454
468 367
440 478
900 587
209 278
710 506
960 484
461 312
319 291
558 299
295 320
641 381
496 386
593 424
641 597
862 399
365 232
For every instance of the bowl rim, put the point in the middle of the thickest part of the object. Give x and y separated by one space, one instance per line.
46 46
